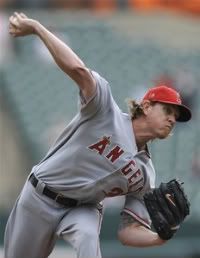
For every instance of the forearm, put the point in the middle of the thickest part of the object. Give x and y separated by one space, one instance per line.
139 236
20 25
63 55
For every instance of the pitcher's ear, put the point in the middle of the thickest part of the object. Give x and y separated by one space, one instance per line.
146 105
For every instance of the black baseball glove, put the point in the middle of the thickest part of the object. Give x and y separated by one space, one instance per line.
168 206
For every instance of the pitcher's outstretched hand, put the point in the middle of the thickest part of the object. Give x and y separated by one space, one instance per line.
20 25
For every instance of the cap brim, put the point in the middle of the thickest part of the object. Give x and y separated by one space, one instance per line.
185 113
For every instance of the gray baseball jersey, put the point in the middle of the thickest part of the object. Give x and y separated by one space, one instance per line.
96 156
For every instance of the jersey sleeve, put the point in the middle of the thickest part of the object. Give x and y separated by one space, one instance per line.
135 207
100 102
134 204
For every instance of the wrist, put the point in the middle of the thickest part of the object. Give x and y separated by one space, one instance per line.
160 241
36 26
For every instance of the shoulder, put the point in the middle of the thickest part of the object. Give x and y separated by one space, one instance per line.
99 78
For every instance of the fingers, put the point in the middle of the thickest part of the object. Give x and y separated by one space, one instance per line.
15 21
16 18
20 15
13 26
14 32
23 15
20 25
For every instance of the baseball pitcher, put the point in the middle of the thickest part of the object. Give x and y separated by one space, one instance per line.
101 153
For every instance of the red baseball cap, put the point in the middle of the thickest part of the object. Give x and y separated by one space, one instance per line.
169 95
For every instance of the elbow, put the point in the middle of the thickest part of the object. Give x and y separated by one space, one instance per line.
122 237
161 242
131 235
73 68
79 70
139 237
79 73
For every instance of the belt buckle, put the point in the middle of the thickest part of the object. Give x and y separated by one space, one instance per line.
57 196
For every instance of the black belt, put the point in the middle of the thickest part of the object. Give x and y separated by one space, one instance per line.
57 197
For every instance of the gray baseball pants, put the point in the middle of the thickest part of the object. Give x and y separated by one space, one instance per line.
36 222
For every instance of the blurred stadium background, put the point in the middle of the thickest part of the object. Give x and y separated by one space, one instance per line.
134 44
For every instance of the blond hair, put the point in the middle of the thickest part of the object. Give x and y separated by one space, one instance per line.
135 109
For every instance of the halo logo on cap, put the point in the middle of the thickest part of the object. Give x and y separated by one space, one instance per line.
179 98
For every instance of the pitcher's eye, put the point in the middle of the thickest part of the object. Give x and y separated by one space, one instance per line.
170 110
